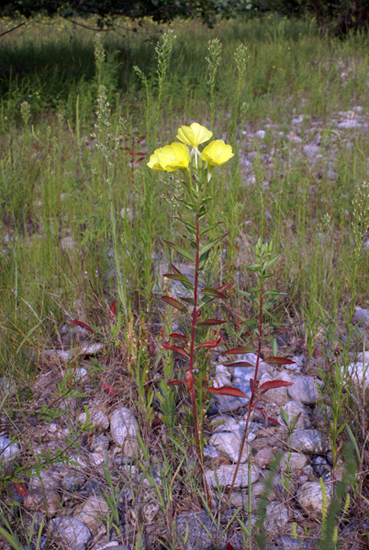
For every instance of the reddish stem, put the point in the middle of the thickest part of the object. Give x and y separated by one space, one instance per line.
251 406
192 352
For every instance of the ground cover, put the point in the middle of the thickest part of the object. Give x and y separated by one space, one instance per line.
83 230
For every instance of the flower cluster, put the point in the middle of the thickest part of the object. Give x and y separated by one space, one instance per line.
177 156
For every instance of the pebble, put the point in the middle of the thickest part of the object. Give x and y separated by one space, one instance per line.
304 390
198 530
361 317
43 494
357 373
71 531
309 441
97 417
225 475
292 410
124 428
229 444
277 517
210 451
8 450
263 457
295 461
309 496
260 134
92 513
288 543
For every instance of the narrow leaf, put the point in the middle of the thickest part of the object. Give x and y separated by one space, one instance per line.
239 350
273 384
180 250
210 245
278 361
210 322
175 383
213 293
253 385
174 348
274 421
82 325
174 303
238 364
229 546
178 277
227 390
113 310
209 344
190 301
224 287
176 335
263 413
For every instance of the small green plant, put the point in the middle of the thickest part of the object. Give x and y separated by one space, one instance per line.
213 59
286 480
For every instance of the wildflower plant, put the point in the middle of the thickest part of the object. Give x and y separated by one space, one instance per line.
195 168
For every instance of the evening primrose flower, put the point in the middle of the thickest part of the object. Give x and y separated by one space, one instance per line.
217 153
154 161
173 157
194 135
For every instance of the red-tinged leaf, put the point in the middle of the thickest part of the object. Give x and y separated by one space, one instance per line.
174 303
229 546
128 149
263 413
176 335
113 310
210 322
273 384
174 348
109 389
274 421
175 382
82 325
318 352
156 424
278 361
225 287
209 343
238 364
239 350
178 277
253 385
175 269
190 301
140 159
213 293
227 390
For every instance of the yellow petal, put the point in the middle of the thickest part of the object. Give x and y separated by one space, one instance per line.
154 161
217 153
174 157
194 135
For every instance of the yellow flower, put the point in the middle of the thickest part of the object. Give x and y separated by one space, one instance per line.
154 161
217 153
173 157
194 135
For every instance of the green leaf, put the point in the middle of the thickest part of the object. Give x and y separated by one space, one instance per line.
274 293
210 245
180 250
209 228
178 277
213 293
174 303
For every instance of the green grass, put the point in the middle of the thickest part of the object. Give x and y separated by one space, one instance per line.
57 252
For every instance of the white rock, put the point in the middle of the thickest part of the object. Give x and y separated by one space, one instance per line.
304 389
225 423
8 450
97 417
229 444
296 461
293 409
363 358
260 134
42 494
92 513
124 428
309 496
277 516
220 380
309 441
72 532
357 372
225 475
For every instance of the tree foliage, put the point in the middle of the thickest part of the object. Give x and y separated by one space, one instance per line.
161 11
333 16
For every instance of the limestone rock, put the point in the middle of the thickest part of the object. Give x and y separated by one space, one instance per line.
124 428
293 409
97 417
304 390
225 475
229 444
91 511
8 450
296 461
72 532
309 496
277 517
309 442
